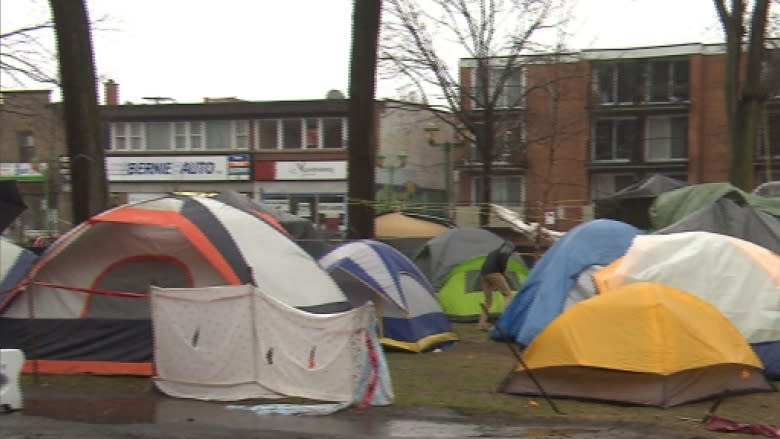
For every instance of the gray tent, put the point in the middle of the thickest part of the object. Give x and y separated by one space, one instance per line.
632 204
442 253
727 217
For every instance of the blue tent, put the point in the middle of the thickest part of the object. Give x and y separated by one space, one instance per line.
412 319
543 294
15 262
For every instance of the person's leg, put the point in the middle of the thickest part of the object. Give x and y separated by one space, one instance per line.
487 289
503 287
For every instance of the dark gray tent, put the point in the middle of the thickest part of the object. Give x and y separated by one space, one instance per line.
727 217
300 229
11 203
631 205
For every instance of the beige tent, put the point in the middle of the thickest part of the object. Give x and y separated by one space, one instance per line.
407 232
403 225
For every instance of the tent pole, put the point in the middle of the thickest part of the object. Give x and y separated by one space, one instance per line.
525 366
252 318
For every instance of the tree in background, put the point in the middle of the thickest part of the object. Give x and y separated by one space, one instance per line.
362 113
79 98
24 54
745 92
498 36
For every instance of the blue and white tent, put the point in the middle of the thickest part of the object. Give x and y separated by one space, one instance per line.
412 319
561 277
15 263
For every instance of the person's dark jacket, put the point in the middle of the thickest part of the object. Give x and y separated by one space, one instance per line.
496 261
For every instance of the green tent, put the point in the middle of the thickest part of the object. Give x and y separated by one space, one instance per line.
461 294
673 206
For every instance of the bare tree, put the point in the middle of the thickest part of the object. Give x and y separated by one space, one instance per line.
497 36
745 92
25 55
79 99
362 115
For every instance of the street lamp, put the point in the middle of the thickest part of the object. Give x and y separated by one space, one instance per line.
381 161
431 131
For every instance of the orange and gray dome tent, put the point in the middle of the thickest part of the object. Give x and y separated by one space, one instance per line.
643 344
83 307
301 230
740 278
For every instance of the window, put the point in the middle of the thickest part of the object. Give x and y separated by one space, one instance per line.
639 81
158 135
668 81
26 146
135 135
269 133
126 135
187 135
511 82
504 189
333 133
769 136
312 133
180 136
604 185
291 133
615 139
241 134
309 133
218 134
667 138
196 135
512 141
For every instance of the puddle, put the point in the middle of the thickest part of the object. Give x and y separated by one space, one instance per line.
416 429
172 411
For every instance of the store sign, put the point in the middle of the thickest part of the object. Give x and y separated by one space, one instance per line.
324 170
174 168
23 171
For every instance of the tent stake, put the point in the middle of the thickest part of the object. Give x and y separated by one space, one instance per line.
522 362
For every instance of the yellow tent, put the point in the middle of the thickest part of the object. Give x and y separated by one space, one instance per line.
643 343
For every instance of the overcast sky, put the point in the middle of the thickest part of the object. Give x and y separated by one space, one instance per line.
299 49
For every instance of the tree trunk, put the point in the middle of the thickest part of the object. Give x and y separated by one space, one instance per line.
89 189
362 118
744 95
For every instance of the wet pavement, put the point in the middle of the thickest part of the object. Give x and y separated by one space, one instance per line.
87 417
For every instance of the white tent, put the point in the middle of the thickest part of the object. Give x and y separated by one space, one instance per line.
235 342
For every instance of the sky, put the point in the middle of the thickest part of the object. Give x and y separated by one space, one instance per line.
260 50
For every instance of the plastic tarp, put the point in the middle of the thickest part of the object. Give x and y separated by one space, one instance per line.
675 205
728 217
542 296
229 343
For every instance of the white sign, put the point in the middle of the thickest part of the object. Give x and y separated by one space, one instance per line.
325 170
167 168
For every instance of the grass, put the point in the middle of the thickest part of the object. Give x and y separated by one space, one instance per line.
466 377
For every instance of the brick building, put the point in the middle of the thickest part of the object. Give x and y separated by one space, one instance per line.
596 121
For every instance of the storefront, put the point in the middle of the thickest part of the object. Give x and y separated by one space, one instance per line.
316 190
40 192
138 178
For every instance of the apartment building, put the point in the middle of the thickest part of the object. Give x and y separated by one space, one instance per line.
291 154
591 123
